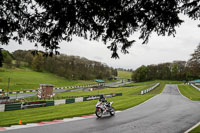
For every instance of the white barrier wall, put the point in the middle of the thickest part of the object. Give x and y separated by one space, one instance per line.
58 102
2 107
196 87
148 90
79 99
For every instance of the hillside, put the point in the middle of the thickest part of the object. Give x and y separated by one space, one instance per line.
26 79
124 74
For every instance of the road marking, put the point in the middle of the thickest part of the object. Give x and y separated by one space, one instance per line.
2 128
43 123
192 128
88 116
50 122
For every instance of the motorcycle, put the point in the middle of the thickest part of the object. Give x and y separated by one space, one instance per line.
104 109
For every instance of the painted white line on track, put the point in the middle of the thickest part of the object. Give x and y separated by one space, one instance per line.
192 128
73 119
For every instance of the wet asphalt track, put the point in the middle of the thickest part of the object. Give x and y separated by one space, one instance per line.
168 112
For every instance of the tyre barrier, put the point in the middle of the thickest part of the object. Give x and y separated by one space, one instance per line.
25 105
148 90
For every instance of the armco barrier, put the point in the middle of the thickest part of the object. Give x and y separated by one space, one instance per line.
79 99
2 107
50 103
9 107
148 90
58 102
70 101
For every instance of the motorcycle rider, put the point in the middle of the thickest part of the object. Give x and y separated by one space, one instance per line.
103 100
103 107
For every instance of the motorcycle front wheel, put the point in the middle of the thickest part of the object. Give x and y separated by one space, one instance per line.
112 111
99 113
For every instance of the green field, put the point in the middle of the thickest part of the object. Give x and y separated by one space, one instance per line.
190 92
26 79
129 99
124 74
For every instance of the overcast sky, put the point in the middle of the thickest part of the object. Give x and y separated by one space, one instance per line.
159 49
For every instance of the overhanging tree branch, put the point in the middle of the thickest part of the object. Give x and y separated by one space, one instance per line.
48 22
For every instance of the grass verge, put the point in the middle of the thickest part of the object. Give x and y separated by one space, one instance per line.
190 92
124 74
26 79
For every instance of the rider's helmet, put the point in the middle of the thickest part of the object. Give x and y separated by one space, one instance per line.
102 98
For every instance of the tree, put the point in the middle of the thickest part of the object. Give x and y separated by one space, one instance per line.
181 68
1 58
38 62
28 58
140 74
165 71
7 58
194 63
48 22
174 71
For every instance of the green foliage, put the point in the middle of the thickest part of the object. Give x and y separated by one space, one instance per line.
24 56
174 71
166 71
124 74
140 74
70 67
1 58
194 64
190 92
110 21
26 79
7 58
38 62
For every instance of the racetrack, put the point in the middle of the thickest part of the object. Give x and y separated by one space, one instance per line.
112 84
168 112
